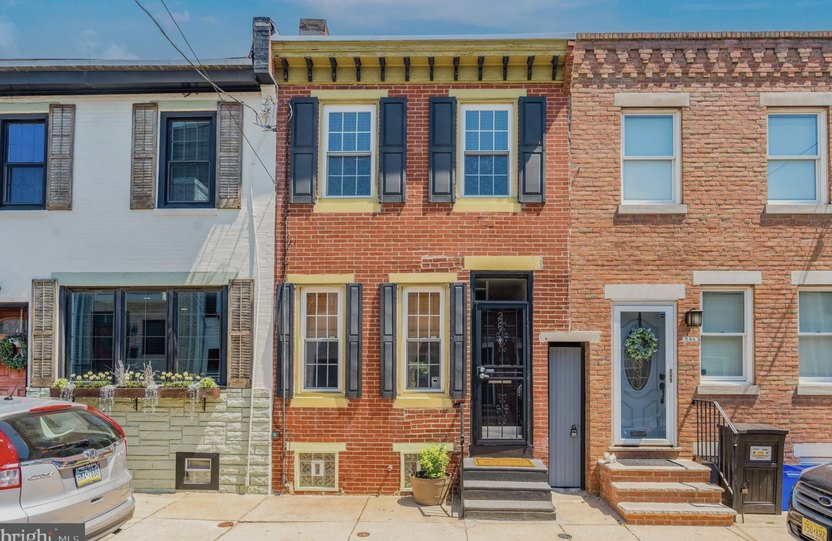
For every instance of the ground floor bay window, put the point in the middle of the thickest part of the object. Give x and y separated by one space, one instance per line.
173 330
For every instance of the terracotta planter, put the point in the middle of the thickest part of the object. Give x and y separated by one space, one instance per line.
138 392
429 491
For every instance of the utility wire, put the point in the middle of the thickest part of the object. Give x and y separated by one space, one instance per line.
220 92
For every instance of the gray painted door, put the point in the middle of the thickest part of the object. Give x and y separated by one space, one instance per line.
565 430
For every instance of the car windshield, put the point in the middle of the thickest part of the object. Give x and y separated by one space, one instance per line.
58 434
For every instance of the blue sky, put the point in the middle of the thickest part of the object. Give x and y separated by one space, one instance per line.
219 28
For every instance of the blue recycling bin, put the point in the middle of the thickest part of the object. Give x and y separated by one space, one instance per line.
791 472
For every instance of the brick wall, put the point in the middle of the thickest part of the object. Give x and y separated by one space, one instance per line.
725 228
418 236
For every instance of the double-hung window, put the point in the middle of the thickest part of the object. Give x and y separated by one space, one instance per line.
650 158
797 157
322 339
727 342
815 335
350 156
23 182
187 164
424 339
173 330
486 148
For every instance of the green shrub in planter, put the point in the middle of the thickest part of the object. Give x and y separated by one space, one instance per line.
430 485
434 461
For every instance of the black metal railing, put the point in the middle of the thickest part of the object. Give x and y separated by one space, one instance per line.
711 448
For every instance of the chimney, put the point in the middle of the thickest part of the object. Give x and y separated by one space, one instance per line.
313 27
262 29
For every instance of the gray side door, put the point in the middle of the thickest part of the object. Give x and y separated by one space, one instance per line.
565 430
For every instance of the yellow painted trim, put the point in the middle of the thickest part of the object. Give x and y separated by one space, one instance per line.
320 279
23 107
486 94
422 277
418 447
187 105
346 206
504 262
317 400
410 401
486 204
316 447
351 96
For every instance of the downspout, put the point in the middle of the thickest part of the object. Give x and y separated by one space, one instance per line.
284 482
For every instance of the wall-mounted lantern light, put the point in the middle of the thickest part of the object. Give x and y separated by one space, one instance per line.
693 318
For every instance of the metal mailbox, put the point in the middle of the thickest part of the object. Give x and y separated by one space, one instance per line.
757 451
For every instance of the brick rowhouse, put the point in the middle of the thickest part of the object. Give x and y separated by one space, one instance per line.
316 246
723 231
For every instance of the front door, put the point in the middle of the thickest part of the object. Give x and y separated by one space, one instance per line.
566 416
12 323
643 379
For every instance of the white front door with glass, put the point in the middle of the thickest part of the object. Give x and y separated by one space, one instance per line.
644 352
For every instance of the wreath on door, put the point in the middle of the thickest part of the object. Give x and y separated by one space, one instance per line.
13 351
641 344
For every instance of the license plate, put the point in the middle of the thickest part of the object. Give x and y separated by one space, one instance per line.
92 473
814 531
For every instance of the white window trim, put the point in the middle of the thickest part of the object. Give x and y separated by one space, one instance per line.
747 335
443 343
302 349
820 159
324 143
676 159
803 379
511 167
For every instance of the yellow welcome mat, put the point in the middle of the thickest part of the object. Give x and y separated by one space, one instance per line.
505 462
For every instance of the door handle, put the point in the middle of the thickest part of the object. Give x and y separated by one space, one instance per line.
661 388
484 373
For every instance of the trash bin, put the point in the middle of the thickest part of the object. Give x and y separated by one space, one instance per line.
791 473
757 452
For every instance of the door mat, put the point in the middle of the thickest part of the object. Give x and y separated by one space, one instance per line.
505 462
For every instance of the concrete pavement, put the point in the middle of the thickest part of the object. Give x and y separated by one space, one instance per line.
230 517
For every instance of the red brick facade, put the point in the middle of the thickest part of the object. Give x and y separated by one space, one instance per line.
417 236
726 226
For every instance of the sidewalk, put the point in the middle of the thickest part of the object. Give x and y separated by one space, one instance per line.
229 517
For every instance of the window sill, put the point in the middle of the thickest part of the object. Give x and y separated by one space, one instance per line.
346 206
319 400
487 204
185 212
652 209
814 389
728 389
416 401
774 208
25 214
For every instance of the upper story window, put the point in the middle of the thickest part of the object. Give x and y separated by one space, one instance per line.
321 336
727 345
350 150
815 335
188 157
424 338
486 150
797 157
651 165
23 183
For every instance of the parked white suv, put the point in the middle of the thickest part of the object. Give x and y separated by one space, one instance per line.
62 462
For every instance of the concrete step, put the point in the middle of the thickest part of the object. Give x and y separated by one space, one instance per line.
657 491
536 473
655 470
508 510
676 514
480 489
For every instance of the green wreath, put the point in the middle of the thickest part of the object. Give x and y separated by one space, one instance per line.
641 344
13 351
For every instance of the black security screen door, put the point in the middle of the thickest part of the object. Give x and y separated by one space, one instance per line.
501 358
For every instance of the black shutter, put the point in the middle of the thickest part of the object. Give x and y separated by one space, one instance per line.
442 160
285 333
458 340
532 146
388 340
353 364
304 151
393 150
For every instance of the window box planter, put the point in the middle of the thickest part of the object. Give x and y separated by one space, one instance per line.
137 392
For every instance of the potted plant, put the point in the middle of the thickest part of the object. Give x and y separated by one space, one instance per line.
430 484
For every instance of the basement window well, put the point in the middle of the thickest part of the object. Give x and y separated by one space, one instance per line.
197 471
